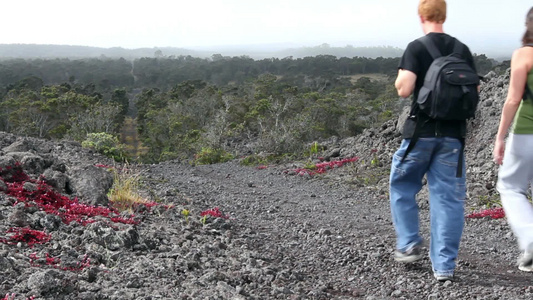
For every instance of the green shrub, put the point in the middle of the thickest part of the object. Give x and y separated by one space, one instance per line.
253 160
209 156
107 145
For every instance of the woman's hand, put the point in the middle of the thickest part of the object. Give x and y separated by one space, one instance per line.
497 153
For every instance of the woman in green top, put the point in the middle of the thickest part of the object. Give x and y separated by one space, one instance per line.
516 171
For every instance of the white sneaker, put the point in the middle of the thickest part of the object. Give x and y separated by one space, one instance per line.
443 278
410 255
525 261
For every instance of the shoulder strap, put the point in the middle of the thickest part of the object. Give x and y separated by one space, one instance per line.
458 47
430 46
527 93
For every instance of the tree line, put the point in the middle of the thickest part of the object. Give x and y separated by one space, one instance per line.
185 105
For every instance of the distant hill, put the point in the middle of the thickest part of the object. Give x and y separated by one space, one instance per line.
348 51
31 51
8 51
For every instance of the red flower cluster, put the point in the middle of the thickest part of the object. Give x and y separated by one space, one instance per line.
322 167
214 212
17 174
493 213
26 235
12 297
103 166
52 202
55 262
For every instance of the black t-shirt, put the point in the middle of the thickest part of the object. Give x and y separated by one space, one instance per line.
417 59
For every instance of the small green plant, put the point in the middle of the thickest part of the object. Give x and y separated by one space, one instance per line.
313 150
309 165
185 213
374 162
106 144
489 201
253 160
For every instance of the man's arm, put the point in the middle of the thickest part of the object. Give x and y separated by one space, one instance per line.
405 83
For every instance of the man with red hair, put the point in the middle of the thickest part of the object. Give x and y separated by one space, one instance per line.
437 153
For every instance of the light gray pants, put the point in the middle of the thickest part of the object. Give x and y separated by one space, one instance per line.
514 180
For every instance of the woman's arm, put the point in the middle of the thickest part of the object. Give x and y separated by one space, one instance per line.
520 66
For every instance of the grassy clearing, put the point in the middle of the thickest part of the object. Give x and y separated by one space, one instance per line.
373 77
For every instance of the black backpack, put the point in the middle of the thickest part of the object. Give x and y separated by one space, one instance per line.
449 91
450 85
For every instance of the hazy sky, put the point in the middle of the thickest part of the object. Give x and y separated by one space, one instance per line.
199 23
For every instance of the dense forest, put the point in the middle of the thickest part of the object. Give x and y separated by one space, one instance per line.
180 107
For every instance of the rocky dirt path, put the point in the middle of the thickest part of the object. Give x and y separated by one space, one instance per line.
322 239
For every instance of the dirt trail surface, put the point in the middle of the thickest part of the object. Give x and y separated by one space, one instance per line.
317 238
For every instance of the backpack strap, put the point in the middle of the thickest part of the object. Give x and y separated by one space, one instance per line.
414 137
435 53
462 139
527 91
459 172
430 46
458 48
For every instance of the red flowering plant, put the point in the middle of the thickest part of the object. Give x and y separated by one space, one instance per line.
25 235
493 213
493 208
322 167
12 296
52 202
55 262
104 166
214 213
49 201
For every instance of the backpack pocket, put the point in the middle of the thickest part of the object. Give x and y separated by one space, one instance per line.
460 87
460 77
424 100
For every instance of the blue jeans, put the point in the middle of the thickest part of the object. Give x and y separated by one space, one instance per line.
437 158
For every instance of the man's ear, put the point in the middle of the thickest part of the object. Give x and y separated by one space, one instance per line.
422 20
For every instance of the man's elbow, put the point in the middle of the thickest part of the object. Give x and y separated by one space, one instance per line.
403 92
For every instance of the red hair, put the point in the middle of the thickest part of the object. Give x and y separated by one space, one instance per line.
432 10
